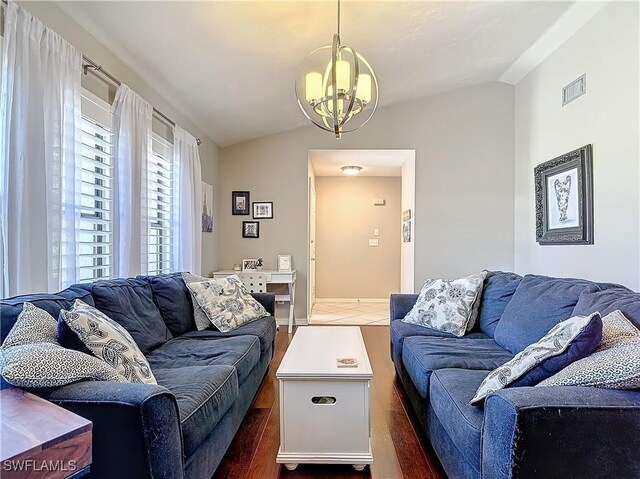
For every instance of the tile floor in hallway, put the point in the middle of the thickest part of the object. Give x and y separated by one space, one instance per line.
356 312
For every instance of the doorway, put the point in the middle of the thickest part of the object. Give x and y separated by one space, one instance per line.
357 256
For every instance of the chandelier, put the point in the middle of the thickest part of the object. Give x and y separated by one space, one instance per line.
336 87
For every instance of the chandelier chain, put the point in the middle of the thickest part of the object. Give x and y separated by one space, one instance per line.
338 17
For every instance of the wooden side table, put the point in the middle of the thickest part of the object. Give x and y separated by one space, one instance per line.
40 439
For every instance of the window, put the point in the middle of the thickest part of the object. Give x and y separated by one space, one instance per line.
96 214
161 204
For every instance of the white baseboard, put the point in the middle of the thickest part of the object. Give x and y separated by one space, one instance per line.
296 322
352 300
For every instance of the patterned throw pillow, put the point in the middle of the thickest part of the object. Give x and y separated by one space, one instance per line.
108 341
199 316
615 364
226 302
30 356
568 341
448 305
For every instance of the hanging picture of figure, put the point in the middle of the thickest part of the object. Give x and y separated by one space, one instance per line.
406 231
207 208
564 199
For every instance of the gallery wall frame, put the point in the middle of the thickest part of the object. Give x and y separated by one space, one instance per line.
564 199
240 204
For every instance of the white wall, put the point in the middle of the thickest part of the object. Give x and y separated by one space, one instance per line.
464 183
606 49
407 250
346 266
56 19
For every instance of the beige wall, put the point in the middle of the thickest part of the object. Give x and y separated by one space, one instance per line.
606 49
55 18
464 142
346 266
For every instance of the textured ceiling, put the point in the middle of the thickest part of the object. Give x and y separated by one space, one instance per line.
230 66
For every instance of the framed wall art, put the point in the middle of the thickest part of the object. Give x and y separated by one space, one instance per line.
263 210
250 229
564 199
207 208
240 202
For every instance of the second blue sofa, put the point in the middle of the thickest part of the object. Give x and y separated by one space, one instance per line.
527 432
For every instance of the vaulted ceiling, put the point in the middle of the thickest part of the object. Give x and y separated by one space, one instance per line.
230 66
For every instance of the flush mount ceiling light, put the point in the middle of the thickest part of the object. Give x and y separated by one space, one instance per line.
351 170
336 87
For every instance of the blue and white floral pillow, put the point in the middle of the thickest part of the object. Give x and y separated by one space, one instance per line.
227 302
448 305
108 341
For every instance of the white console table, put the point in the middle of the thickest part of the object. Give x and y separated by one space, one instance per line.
272 277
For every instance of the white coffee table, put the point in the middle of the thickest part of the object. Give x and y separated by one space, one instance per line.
324 409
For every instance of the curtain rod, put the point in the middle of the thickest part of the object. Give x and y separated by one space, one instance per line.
97 68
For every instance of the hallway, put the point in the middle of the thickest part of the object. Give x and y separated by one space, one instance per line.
371 313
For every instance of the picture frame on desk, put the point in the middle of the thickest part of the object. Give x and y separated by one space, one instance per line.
250 264
284 263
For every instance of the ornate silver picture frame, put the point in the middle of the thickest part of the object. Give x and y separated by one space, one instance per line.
564 199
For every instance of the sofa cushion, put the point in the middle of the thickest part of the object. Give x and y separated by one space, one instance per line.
498 291
30 356
538 304
204 394
263 328
10 308
611 299
615 364
421 356
129 302
401 330
173 300
567 342
448 305
241 352
108 341
450 392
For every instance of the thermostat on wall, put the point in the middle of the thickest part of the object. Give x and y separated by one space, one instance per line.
379 202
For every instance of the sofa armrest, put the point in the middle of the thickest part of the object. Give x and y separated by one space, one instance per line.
268 300
401 304
579 432
136 427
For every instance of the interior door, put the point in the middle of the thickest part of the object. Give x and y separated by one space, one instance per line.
312 247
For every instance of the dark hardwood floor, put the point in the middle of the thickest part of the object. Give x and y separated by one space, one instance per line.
400 450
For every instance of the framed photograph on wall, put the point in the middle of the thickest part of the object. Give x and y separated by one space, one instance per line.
240 202
406 231
207 208
284 262
262 210
251 229
406 215
564 199
250 264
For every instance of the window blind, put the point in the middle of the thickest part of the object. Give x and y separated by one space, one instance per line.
96 199
161 214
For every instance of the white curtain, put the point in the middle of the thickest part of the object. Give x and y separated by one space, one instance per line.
187 249
39 142
132 140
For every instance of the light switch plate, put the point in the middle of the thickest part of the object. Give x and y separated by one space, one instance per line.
373 242
376 232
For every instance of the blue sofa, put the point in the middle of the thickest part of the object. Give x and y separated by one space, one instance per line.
207 380
528 432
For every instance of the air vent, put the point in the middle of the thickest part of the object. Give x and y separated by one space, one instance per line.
574 89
